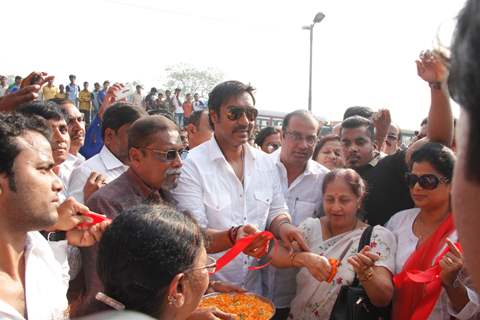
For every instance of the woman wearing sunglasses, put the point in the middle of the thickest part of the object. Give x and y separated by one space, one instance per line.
423 234
152 260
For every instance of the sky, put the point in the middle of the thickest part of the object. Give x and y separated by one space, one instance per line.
363 51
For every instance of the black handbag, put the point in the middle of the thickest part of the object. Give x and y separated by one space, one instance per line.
352 301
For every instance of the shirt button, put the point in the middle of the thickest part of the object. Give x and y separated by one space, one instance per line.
245 219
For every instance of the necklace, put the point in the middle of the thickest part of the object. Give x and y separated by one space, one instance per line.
329 227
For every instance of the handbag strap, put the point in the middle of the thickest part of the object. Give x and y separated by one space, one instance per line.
364 241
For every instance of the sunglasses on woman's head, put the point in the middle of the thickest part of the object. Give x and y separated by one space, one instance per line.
426 181
236 113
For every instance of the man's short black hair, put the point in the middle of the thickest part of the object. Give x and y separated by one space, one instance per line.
48 111
120 114
464 80
12 126
298 113
361 111
195 117
141 131
224 91
60 101
357 122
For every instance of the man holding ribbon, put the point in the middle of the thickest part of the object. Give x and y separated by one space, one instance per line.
227 184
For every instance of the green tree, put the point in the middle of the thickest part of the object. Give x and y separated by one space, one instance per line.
192 80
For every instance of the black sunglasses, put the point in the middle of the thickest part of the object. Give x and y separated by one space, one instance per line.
236 113
426 181
169 155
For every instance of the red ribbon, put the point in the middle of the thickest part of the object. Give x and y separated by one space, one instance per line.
243 243
431 279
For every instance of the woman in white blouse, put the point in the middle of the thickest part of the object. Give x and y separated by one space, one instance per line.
423 234
330 236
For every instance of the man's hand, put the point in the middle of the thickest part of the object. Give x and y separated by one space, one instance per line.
431 67
381 121
210 314
258 248
39 78
69 215
292 237
86 237
12 101
94 182
110 97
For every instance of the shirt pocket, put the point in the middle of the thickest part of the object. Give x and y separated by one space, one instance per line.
303 210
263 200
217 210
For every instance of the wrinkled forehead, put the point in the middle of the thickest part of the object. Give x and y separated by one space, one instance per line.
33 145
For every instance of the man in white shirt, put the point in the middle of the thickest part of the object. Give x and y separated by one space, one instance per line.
112 160
178 107
3 85
301 181
225 183
33 275
137 99
198 105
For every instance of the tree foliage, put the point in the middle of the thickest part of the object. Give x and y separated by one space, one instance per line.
192 80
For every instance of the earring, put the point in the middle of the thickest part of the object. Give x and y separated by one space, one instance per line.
172 300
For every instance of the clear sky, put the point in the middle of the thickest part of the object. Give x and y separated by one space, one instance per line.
364 51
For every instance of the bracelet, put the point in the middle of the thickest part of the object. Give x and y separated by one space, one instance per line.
437 85
233 233
366 275
281 223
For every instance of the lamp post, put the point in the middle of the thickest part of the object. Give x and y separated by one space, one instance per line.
318 18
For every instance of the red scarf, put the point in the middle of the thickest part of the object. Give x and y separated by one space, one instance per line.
416 292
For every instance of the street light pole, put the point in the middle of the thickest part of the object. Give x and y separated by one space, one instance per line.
310 70
318 17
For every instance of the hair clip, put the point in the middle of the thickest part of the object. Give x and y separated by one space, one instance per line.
115 304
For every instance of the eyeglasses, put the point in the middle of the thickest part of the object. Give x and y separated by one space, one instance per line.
297 137
210 266
169 155
236 113
426 181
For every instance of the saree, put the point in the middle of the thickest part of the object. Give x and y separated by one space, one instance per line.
314 299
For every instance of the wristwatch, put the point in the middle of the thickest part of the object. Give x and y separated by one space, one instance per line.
56 236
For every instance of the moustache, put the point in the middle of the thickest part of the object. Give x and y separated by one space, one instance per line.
241 128
171 172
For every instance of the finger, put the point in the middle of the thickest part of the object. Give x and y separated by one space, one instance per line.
354 264
365 249
373 256
453 248
301 242
365 260
93 177
219 314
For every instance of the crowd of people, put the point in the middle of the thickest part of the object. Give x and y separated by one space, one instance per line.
126 215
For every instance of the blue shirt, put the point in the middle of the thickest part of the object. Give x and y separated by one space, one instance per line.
93 139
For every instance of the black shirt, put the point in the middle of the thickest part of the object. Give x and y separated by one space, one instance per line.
387 191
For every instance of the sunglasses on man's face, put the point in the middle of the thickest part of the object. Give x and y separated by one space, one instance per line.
236 113
426 181
169 155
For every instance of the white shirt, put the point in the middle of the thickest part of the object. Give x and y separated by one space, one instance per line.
210 190
65 172
137 99
304 200
46 281
104 163
176 103
401 224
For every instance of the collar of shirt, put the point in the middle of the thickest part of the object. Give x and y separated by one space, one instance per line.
312 167
216 153
377 157
142 188
109 160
